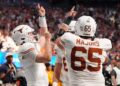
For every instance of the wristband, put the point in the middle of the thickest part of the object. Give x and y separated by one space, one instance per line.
42 21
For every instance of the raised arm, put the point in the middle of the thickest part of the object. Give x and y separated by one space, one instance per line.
46 50
42 18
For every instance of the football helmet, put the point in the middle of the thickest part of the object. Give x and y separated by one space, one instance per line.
72 26
85 26
20 34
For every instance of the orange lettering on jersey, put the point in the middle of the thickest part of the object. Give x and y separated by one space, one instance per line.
91 43
27 51
86 43
82 42
77 41
84 63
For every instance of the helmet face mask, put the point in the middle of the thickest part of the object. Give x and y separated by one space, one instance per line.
22 34
85 26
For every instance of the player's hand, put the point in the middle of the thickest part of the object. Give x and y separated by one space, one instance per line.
71 13
41 10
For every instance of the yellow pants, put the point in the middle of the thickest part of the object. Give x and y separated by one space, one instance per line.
59 83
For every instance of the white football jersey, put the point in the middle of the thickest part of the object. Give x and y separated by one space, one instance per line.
8 45
35 73
64 70
85 58
117 70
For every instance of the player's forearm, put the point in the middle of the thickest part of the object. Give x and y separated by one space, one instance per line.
45 53
114 81
42 18
48 50
57 71
59 43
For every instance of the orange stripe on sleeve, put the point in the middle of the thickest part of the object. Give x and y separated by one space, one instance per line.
27 51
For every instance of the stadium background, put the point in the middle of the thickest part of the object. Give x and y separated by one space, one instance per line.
106 13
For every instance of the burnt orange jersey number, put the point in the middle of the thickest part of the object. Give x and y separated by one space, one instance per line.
90 57
65 64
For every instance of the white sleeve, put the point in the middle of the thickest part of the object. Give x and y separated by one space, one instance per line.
29 50
28 53
106 44
65 38
12 44
9 45
59 54
72 25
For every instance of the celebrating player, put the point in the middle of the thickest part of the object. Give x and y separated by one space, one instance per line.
61 70
32 52
85 54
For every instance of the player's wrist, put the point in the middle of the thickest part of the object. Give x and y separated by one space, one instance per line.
42 21
41 15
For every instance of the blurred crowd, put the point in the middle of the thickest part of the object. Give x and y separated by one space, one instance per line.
108 20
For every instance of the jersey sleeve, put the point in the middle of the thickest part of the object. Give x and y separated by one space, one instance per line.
106 44
29 50
66 37
28 53
59 54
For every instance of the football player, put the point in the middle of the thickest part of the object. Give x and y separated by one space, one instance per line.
61 70
33 55
85 54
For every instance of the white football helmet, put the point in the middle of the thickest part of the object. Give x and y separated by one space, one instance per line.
85 26
20 34
72 26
